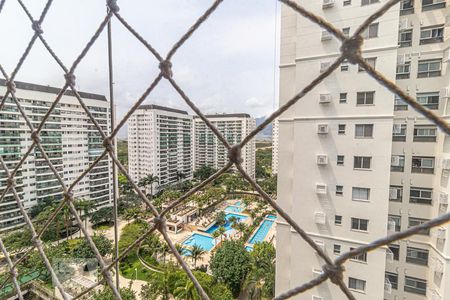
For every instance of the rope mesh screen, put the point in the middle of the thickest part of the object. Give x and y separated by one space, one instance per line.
332 269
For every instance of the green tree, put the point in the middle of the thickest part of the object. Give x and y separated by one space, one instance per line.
126 293
102 216
161 286
204 172
196 253
230 265
147 181
220 218
84 207
124 185
260 280
221 230
128 201
83 250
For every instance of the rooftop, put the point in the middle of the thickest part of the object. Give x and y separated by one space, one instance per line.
159 107
52 90
236 115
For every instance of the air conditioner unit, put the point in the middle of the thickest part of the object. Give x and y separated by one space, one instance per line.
389 255
445 92
387 286
397 128
446 163
320 217
391 225
395 160
320 244
440 233
403 24
321 188
324 66
393 195
322 128
324 98
326 35
322 159
328 3
443 198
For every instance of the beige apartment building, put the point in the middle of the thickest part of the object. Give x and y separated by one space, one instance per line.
374 166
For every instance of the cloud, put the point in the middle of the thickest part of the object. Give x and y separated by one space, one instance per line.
254 102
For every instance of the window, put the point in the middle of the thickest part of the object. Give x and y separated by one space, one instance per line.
405 38
415 285
432 34
362 162
346 31
340 160
367 2
417 256
360 257
420 195
429 100
399 104
360 194
365 98
343 98
432 4
403 70
337 249
399 133
395 193
339 190
363 130
370 61
344 66
347 2
406 7
393 279
429 68
359 224
371 31
337 220
396 222
417 221
356 284
424 133
422 165
395 249
341 129
397 163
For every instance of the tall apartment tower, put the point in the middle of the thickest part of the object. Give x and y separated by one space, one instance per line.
210 151
275 139
70 140
374 166
160 143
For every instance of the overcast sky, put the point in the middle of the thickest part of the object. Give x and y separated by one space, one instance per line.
227 66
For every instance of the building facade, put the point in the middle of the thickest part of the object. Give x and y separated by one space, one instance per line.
210 151
365 151
70 140
160 144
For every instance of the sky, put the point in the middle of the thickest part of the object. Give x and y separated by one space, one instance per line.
229 65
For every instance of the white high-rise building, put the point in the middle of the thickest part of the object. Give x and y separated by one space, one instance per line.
210 151
356 162
275 138
160 144
70 140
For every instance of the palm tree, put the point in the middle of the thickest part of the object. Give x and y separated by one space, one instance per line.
179 248
67 218
221 231
239 227
185 289
148 180
84 207
196 253
164 248
215 235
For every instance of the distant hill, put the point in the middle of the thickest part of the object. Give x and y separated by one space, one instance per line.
267 132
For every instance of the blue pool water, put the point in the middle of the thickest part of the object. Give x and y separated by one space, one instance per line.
205 242
227 225
248 248
271 217
238 203
261 232
232 208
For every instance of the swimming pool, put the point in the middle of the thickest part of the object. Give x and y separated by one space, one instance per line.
261 233
271 217
249 248
233 208
239 218
205 242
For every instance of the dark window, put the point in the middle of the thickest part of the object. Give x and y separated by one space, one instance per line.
415 285
417 256
365 98
393 279
359 224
